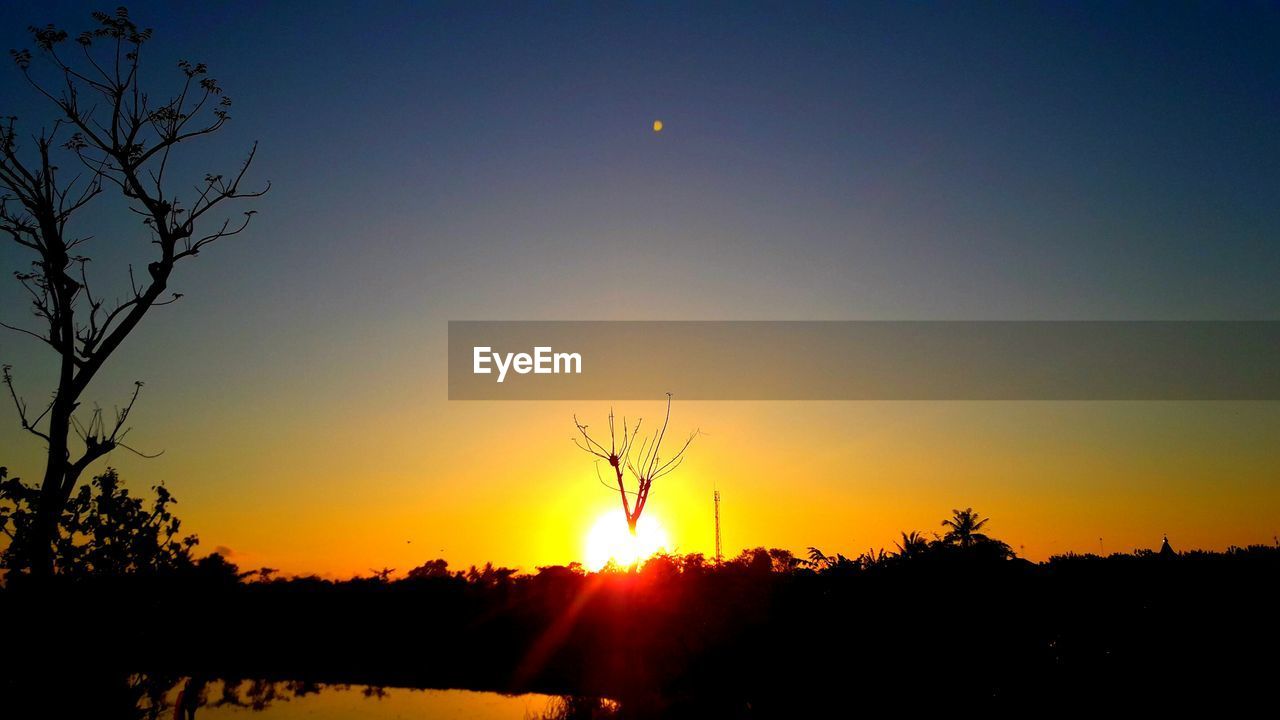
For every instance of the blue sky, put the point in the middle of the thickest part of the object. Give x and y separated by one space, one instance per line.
886 160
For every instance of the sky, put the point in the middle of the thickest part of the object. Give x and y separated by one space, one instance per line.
898 161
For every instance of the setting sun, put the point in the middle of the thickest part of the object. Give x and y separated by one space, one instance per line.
609 540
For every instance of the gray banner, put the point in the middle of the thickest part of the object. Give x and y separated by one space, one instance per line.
858 360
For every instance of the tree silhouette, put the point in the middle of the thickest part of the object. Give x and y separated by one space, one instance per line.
647 465
678 637
963 533
914 544
962 528
438 568
117 136
819 560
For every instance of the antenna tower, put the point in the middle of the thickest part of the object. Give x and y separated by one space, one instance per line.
719 552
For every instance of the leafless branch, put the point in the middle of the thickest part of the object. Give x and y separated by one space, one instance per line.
28 425
646 467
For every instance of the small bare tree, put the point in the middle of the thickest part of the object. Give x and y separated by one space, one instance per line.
647 465
119 137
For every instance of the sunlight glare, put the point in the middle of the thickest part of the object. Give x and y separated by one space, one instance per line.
609 539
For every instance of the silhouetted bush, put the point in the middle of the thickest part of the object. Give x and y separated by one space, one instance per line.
104 530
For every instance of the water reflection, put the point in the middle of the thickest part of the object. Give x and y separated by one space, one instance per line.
163 697
196 698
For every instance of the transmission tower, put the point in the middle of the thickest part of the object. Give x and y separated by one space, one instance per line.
719 552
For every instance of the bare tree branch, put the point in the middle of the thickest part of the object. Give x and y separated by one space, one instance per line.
27 425
647 467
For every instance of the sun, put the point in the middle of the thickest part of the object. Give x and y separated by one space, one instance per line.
609 540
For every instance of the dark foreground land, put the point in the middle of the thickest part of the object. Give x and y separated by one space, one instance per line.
764 635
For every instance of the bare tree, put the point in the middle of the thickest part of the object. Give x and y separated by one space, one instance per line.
647 465
117 137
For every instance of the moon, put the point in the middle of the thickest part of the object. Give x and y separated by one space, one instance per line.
657 126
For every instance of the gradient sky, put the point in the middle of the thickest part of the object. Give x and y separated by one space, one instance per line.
880 161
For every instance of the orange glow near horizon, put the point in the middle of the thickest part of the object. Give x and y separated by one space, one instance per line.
502 482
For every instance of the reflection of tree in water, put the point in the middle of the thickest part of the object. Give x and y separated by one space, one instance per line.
577 707
181 698
79 695
259 694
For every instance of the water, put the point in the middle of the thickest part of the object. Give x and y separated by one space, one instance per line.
262 700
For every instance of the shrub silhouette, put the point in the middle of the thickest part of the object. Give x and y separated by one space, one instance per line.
104 530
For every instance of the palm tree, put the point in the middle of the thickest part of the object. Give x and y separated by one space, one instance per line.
872 558
819 560
962 528
914 544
